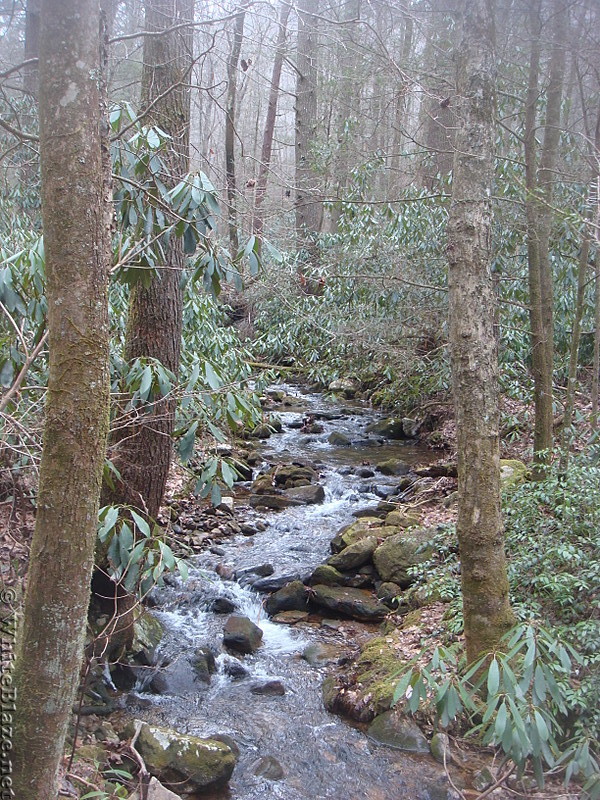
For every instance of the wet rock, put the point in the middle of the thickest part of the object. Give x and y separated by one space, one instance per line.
393 730
393 466
218 551
442 470
338 439
411 427
293 597
320 653
242 635
355 555
440 747
235 669
346 386
275 394
268 767
345 471
188 761
391 428
368 511
276 424
393 558
222 605
354 603
247 529
147 635
225 571
203 663
274 583
269 689
326 575
307 495
291 617
262 570
273 501
365 472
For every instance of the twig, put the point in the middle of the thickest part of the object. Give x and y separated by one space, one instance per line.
21 376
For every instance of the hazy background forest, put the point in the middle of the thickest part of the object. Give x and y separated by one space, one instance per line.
276 192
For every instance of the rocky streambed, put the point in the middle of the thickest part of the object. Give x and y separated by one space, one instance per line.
251 641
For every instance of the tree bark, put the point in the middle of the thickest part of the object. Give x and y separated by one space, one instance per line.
77 247
308 208
539 184
230 114
32 45
487 613
143 447
267 142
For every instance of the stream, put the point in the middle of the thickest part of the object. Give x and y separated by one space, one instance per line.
321 755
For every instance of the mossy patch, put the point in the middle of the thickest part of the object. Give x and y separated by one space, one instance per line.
512 473
378 668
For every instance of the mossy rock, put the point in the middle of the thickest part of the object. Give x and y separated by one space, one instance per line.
147 635
327 576
393 466
512 473
398 553
394 730
175 758
355 555
365 526
377 671
402 519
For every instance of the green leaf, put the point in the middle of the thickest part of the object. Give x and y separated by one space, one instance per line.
493 677
108 522
141 523
229 474
146 383
500 723
186 443
211 376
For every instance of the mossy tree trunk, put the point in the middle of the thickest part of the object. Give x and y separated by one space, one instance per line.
143 449
77 246
487 612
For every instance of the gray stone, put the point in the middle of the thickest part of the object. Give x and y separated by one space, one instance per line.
440 747
203 663
393 730
307 495
242 634
269 689
273 583
326 575
338 439
393 466
222 605
391 428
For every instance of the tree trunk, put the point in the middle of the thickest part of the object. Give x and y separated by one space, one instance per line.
539 221
308 208
267 143
144 446
230 114
32 45
487 613
77 245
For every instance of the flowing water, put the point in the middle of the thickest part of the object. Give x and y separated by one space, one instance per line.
321 755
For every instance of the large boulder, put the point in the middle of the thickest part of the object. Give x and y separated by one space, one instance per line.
353 603
393 730
327 575
275 501
187 762
293 597
355 555
397 553
242 634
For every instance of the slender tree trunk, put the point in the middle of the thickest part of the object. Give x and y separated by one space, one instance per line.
76 242
143 448
230 115
32 45
539 185
487 613
574 349
267 143
308 207
596 358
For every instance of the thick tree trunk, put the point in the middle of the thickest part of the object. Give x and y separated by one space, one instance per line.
76 242
230 115
487 613
143 448
308 207
267 142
